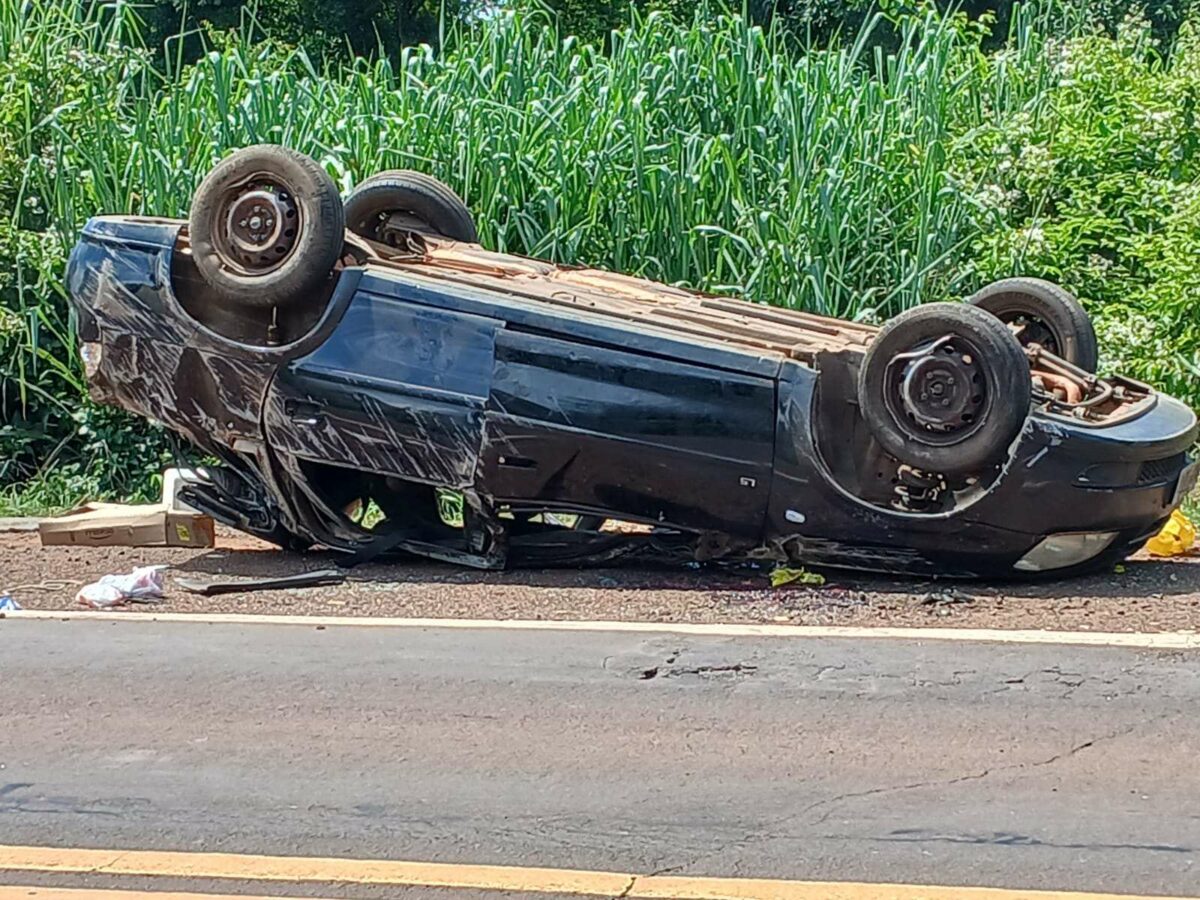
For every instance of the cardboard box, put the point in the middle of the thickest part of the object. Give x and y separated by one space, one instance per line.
126 525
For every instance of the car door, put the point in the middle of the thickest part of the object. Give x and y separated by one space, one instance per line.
632 434
398 388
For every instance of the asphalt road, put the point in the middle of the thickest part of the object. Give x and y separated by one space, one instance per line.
1018 766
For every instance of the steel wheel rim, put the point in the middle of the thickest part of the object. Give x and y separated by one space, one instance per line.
260 225
938 393
1030 329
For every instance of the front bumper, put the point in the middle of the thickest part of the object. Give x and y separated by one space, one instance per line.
1069 478
1051 485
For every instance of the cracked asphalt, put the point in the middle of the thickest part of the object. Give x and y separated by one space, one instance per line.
1005 765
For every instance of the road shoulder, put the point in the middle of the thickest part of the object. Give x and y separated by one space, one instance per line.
1145 596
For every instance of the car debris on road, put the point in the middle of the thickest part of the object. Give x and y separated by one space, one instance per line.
321 578
143 585
1177 537
946 595
782 575
351 364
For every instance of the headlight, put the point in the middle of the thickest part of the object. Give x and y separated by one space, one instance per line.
1061 550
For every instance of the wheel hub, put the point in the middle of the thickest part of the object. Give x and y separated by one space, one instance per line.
262 224
1031 330
941 388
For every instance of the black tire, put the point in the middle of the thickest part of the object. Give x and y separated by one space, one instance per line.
425 198
301 236
955 408
1056 320
413 192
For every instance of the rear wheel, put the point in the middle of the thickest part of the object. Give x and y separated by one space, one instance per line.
422 200
1041 312
266 227
945 388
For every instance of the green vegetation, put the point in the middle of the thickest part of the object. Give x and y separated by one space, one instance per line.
361 26
320 26
852 179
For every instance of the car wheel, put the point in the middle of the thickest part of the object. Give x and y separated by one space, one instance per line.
1042 312
433 204
945 387
266 226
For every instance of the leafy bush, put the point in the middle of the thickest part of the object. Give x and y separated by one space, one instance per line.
1096 185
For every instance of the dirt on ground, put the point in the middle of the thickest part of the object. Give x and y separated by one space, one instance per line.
1147 595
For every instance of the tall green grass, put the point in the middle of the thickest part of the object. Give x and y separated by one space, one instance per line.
710 154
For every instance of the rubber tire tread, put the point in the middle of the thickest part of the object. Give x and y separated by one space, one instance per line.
1063 314
403 190
1005 369
319 244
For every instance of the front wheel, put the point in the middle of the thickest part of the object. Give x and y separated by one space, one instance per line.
945 387
1041 312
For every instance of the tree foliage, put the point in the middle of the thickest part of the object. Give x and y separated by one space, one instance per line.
819 21
364 26
320 26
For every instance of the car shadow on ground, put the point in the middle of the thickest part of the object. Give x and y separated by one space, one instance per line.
1137 577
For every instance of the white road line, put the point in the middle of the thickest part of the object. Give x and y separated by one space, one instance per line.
1171 640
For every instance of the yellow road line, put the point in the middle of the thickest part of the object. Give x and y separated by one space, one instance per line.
37 892
1167 640
467 877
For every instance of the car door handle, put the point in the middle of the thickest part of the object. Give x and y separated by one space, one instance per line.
302 413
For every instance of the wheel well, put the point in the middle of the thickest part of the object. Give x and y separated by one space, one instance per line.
855 460
256 326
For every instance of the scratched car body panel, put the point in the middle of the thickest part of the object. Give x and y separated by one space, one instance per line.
721 429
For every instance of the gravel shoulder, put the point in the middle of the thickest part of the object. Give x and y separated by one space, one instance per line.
1149 595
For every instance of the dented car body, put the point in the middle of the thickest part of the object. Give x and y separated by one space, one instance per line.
721 428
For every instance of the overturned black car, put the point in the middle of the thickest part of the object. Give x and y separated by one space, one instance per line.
352 365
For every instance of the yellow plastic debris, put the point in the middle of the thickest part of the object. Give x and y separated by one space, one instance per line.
782 575
1176 537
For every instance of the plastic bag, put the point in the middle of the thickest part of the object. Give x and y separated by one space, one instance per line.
1176 537
144 585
